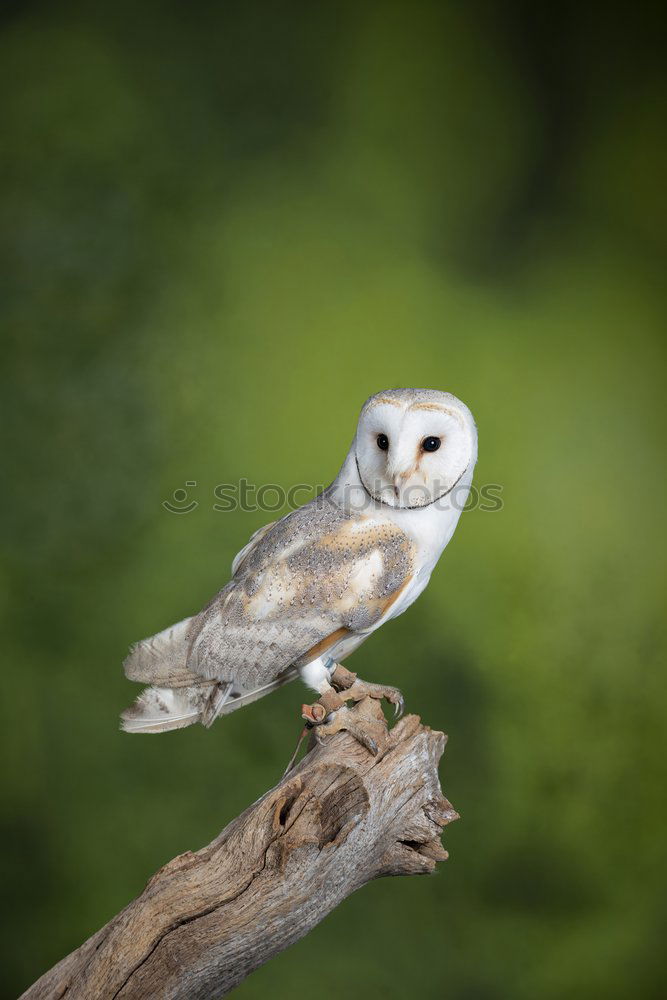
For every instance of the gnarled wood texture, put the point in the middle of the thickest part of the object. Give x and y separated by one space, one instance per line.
207 919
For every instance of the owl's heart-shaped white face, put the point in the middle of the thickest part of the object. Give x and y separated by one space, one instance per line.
410 454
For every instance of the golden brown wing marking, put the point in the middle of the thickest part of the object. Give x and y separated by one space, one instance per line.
394 597
325 644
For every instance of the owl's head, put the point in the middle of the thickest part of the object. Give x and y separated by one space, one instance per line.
414 445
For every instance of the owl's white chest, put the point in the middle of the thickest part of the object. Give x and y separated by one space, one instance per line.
430 529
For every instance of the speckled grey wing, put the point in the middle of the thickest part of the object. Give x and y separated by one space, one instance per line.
313 573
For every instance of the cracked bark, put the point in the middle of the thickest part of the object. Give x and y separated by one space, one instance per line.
207 919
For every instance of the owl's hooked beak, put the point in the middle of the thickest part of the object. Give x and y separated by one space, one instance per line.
400 479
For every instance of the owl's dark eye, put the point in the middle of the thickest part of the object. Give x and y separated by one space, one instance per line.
431 444
382 442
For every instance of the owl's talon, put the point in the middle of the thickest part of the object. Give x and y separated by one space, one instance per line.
364 689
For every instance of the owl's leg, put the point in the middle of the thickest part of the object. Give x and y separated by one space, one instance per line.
338 685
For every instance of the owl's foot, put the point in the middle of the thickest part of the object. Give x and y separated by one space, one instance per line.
349 689
330 714
364 689
352 689
370 732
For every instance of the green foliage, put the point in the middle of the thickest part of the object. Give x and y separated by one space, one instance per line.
227 225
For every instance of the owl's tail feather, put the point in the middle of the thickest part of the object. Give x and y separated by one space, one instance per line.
159 709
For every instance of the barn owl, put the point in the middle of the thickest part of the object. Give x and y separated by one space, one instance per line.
308 589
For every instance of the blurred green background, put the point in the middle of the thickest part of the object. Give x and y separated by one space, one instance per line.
224 226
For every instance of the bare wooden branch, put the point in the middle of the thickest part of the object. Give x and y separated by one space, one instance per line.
207 919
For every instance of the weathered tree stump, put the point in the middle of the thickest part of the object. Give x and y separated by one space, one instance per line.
208 919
